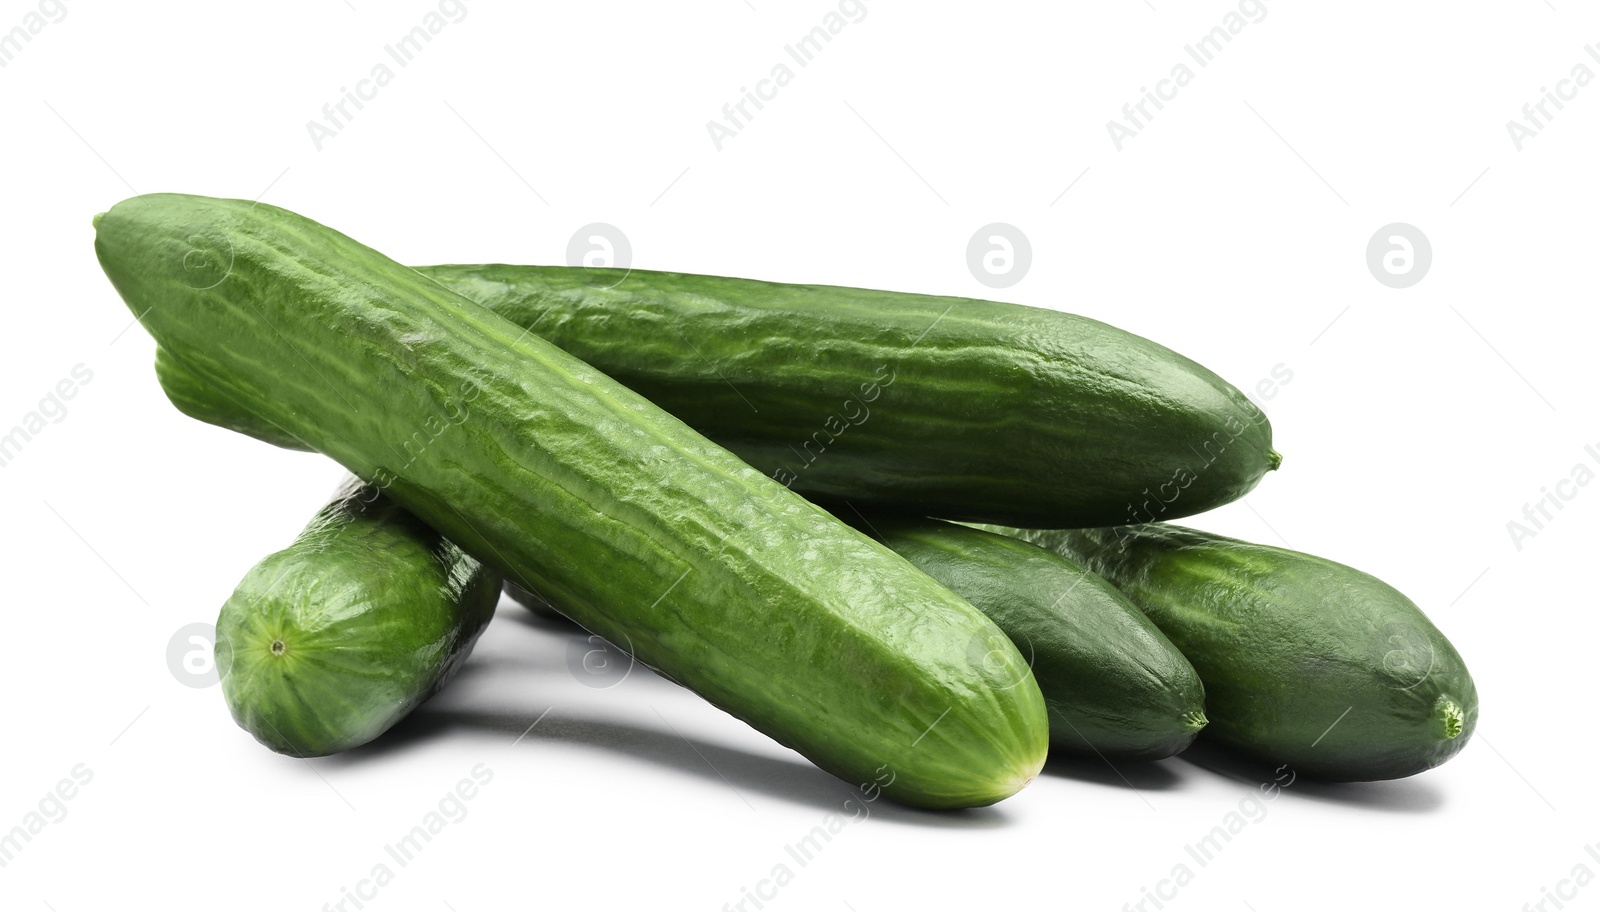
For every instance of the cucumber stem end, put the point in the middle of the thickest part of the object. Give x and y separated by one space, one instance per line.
1454 719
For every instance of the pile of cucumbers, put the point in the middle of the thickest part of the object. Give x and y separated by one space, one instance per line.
898 533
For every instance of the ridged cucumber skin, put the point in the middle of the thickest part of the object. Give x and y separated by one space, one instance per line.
1305 661
1115 686
939 406
642 530
195 398
326 644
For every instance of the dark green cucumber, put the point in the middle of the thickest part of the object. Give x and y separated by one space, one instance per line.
1114 684
645 532
326 644
1305 661
938 406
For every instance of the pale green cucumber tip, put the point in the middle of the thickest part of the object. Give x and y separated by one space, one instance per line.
1194 721
1454 719
95 222
1022 780
1275 458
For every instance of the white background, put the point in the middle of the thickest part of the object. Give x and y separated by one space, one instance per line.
1417 423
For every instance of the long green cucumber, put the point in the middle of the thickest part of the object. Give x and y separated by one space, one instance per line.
1305 661
326 644
645 532
939 406
1114 684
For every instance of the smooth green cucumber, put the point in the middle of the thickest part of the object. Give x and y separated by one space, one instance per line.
1305 661
326 644
645 532
937 406
1114 684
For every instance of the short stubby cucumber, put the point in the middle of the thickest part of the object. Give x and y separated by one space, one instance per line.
1115 685
938 406
642 530
1305 661
326 644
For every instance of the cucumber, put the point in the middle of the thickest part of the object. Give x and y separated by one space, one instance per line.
197 399
326 644
1114 684
1305 661
645 532
936 406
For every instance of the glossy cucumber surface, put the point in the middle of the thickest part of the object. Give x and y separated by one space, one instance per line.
326 644
939 406
1115 685
644 531
1305 661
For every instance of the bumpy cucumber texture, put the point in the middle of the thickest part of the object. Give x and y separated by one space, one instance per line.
644 531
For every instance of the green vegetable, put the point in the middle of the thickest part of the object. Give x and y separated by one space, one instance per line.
326 644
196 398
1305 661
938 406
1115 686
643 531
